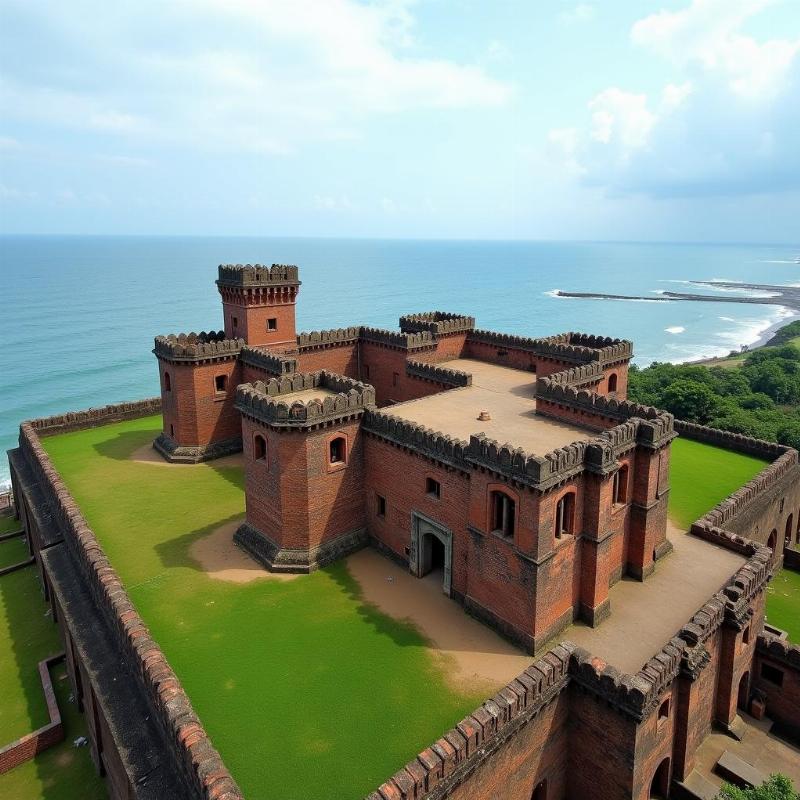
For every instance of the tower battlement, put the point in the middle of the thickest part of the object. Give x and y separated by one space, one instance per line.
243 275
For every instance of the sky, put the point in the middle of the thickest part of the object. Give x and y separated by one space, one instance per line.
673 120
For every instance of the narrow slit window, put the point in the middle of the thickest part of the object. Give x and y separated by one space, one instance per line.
167 382
260 448
564 514
380 505
620 487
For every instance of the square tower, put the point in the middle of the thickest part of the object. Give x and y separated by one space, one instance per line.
258 304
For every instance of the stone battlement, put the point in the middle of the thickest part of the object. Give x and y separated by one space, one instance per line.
438 322
244 275
196 346
273 363
590 402
261 401
403 341
328 338
442 375
779 649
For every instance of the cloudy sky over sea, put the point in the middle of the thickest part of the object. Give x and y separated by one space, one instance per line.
659 119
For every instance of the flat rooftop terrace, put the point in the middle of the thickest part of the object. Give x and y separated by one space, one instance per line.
507 394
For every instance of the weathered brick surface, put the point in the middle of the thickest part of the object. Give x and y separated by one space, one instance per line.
783 702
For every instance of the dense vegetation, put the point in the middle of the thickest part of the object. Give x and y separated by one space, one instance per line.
760 398
778 787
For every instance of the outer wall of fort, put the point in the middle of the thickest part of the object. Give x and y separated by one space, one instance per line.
571 725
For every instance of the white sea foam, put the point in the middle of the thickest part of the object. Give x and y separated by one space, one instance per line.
776 261
727 319
553 293
675 329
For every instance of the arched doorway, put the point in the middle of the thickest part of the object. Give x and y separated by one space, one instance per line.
612 383
660 785
772 542
744 692
787 539
431 550
540 791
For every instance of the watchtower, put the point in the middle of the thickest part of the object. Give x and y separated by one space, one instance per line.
304 469
258 304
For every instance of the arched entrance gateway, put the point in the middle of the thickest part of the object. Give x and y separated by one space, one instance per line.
773 540
660 786
431 549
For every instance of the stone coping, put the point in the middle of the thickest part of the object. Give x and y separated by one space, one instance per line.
258 275
197 757
51 733
778 649
91 417
328 338
573 347
440 323
262 401
196 346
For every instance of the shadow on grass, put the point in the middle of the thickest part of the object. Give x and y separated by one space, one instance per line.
174 552
122 445
402 632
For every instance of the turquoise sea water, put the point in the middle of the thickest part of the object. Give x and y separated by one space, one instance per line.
78 314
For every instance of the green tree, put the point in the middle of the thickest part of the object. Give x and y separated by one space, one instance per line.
691 401
778 787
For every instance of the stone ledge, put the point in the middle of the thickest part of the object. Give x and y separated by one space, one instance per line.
285 560
179 454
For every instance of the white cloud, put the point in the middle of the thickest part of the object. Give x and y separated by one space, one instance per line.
300 70
583 12
333 203
727 123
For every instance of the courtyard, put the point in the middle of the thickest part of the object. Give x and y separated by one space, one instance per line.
382 671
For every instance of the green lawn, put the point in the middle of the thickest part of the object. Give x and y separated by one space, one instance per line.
12 551
701 475
306 690
8 524
783 603
26 637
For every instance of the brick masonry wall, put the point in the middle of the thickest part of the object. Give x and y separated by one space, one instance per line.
342 359
782 702
192 749
252 324
515 358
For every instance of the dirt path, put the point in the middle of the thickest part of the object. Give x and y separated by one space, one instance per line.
147 454
477 659
222 560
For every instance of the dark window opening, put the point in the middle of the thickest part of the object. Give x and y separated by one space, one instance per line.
663 711
167 382
260 448
565 510
380 506
395 378
612 382
746 635
365 370
272 324
433 488
235 322
772 674
221 383
337 450
620 487
503 513
540 791
172 431
783 500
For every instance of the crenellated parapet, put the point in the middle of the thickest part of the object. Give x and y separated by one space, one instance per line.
272 363
262 401
432 444
439 323
583 375
401 341
329 338
592 403
778 649
609 349
196 346
245 275
441 375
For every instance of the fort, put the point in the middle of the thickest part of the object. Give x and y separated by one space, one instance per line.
512 470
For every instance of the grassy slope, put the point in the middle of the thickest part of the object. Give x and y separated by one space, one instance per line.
26 637
301 684
702 475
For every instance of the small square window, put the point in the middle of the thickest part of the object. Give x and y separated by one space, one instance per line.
221 383
272 324
337 450
380 504
433 488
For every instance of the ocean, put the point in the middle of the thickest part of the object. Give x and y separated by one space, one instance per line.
79 313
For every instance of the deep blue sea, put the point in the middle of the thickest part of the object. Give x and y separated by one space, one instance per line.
78 314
